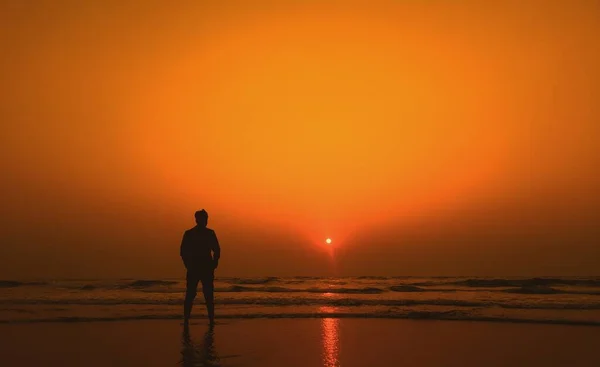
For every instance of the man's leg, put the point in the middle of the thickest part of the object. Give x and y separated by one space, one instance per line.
190 293
208 289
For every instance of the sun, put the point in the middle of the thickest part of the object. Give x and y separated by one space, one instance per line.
328 241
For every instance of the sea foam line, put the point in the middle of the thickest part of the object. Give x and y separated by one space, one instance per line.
413 315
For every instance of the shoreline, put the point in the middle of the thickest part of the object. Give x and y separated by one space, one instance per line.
68 320
327 342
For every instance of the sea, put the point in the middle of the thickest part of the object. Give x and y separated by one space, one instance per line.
547 300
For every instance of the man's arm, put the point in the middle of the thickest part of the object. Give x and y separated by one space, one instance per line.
216 248
183 252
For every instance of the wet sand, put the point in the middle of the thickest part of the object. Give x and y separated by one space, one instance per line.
298 342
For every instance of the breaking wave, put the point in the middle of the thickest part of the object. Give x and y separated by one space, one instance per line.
252 280
458 298
534 290
302 301
377 281
406 288
13 283
274 289
528 282
150 283
546 290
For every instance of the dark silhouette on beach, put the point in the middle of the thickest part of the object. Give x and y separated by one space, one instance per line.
200 252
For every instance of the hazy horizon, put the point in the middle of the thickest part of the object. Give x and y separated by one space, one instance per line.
436 139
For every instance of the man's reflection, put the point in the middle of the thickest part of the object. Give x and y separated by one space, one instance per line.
199 355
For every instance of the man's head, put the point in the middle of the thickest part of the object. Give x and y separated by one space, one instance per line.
201 217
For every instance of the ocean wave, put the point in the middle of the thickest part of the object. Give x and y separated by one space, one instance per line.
294 281
252 280
239 288
411 315
546 290
14 283
366 290
528 282
275 289
534 290
298 301
372 281
149 283
406 288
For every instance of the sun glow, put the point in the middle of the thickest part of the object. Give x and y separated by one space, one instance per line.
266 91
328 241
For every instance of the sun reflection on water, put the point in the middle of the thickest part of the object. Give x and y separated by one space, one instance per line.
330 338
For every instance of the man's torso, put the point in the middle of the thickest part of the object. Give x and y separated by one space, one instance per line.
197 246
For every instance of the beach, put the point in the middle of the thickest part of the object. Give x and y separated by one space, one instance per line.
326 342
300 321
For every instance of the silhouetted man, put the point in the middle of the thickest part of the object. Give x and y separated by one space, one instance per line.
195 252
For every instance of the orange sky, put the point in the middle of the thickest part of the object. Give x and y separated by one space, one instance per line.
435 138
